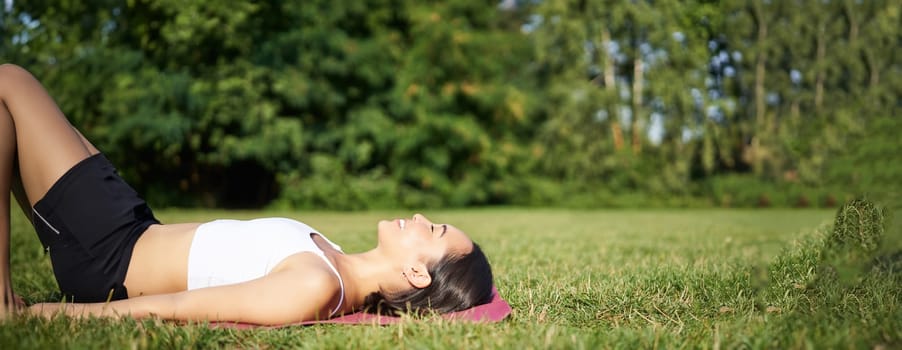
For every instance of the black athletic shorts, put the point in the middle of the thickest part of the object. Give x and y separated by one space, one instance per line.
89 222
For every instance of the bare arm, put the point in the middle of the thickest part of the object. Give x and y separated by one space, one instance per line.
281 297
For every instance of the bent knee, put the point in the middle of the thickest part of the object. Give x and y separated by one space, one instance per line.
8 68
9 74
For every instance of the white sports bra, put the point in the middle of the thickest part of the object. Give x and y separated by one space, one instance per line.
234 251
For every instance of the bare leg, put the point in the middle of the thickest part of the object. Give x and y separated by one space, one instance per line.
7 156
19 192
46 144
38 141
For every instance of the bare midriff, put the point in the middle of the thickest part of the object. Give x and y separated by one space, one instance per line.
159 262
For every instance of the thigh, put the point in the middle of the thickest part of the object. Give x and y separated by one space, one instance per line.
47 145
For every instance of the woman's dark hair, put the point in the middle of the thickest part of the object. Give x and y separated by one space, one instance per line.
459 282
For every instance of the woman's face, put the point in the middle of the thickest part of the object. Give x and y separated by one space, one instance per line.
420 238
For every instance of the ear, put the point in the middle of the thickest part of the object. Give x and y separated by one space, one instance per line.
417 275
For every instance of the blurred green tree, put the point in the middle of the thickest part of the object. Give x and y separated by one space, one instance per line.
398 103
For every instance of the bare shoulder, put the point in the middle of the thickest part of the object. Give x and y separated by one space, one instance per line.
311 271
314 282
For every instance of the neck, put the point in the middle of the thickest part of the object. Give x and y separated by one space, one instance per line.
363 274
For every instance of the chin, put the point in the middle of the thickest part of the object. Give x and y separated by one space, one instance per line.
380 231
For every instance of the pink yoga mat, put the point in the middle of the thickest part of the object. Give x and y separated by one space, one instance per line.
495 311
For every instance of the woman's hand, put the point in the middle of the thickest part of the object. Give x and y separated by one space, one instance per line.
18 303
11 304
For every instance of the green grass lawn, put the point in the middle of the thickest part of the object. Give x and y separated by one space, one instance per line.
576 279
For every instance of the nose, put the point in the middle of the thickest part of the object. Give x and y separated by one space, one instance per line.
420 218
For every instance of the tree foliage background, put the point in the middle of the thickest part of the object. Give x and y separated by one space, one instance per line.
395 103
